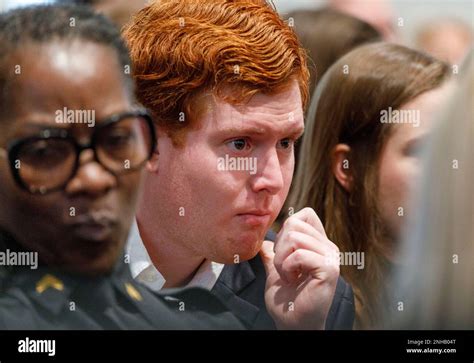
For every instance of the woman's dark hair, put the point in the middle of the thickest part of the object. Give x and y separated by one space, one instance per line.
45 23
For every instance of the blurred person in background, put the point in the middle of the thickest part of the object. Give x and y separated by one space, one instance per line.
434 283
359 157
119 11
446 39
379 14
327 35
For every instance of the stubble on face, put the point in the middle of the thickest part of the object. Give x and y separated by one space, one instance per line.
207 205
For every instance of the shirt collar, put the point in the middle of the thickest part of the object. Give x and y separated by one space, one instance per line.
143 270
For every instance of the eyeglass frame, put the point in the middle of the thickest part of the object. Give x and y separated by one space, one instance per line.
14 146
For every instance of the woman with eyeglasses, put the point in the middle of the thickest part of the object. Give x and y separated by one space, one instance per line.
68 189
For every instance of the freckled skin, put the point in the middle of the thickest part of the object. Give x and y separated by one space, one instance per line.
399 161
76 75
189 177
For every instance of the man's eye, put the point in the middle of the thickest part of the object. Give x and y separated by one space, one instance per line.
239 144
286 143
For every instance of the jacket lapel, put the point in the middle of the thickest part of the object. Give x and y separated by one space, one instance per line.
232 284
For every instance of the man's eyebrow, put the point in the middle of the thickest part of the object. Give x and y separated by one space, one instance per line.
243 130
293 132
260 131
297 132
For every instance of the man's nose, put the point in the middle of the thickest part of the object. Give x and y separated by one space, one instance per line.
269 175
91 177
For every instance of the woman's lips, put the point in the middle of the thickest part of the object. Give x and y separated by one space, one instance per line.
94 232
93 227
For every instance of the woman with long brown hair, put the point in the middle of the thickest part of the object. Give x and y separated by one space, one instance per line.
359 157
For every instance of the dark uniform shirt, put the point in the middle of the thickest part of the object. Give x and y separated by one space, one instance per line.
47 298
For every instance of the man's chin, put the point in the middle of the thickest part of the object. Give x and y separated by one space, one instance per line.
244 249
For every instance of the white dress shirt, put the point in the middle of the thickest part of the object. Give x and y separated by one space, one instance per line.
143 270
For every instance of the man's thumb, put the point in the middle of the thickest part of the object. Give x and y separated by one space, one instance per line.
267 255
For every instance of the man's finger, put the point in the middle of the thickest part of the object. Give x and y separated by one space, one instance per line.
298 225
308 262
308 215
268 256
296 240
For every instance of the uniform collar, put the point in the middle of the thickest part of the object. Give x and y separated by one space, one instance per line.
52 288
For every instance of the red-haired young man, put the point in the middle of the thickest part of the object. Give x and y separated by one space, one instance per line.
226 82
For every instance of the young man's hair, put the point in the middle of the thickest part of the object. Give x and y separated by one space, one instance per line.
26 26
232 49
346 109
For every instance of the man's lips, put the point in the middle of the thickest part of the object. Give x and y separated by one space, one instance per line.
257 212
255 217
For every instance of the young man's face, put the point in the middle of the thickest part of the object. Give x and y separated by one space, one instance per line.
219 193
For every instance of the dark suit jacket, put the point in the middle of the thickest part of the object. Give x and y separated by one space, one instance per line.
241 287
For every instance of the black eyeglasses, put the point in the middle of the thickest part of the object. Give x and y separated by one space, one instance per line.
47 162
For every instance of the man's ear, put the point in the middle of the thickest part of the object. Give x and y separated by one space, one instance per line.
340 165
152 164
